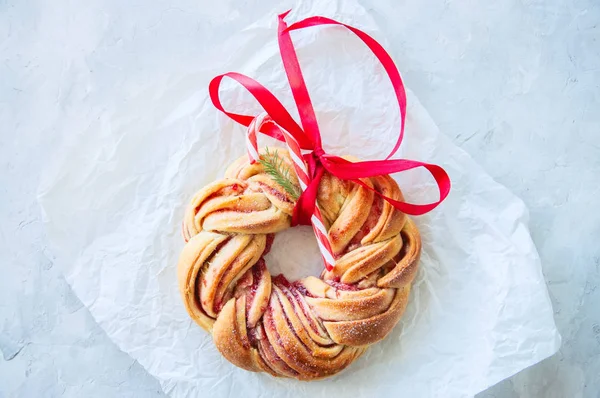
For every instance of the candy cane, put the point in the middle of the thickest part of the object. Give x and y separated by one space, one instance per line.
302 173
251 140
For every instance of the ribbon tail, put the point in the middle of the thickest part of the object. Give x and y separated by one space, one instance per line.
307 201
411 209
353 171
377 49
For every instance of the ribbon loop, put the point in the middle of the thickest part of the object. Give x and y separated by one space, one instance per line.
272 106
377 49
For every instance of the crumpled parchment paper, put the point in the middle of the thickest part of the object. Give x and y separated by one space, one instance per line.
114 196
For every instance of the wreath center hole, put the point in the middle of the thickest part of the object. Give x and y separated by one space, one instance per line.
295 254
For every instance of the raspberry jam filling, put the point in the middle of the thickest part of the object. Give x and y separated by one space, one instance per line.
204 283
305 310
269 244
370 223
257 271
268 349
229 190
341 286
284 344
253 337
298 286
274 192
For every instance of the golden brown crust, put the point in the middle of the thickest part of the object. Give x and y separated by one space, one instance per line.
308 329
370 330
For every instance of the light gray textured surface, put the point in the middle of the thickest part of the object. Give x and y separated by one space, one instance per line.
515 83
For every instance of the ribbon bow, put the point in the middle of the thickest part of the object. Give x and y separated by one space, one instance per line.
281 125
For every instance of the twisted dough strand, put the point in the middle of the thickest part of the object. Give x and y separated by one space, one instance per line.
314 327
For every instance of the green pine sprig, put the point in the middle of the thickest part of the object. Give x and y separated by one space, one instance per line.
279 172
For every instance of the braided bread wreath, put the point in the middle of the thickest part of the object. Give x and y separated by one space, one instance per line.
314 327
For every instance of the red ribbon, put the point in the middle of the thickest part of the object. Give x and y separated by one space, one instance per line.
309 137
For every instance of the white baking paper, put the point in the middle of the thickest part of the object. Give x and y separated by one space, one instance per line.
114 196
